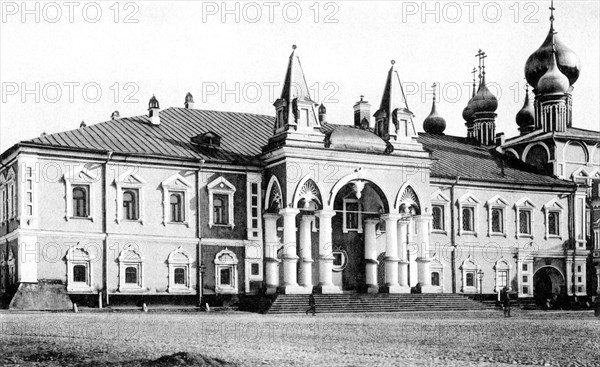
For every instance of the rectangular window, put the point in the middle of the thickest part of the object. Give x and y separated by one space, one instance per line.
525 290
130 204
579 268
221 209
502 278
553 224
79 273
81 201
468 219
470 279
579 279
497 220
179 276
352 215
176 207
131 276
525 278
524 222
438 217
435 279
225 276
524 267
254 269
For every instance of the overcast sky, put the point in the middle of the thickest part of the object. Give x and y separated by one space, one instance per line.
83 60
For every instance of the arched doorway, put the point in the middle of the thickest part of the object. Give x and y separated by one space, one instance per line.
548 282
355 202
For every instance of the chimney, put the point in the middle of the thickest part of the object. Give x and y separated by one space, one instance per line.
153 111
189 101
362 113
500 139
322 114
115 115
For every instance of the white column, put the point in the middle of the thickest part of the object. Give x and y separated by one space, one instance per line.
290 257
371 255
598 279
305 278
325 253
402 246
423 259
391 253
271 247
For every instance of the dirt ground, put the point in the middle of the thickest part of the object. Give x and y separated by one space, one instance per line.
481 338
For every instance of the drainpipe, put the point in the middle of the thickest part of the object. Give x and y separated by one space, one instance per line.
199 275
109 155
453 235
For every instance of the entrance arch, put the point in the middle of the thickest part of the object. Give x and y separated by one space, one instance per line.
547 282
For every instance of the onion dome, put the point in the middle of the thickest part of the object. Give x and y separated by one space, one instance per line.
153 103
468 114
189 98
526 116
484 100
553 81
434 123
539 62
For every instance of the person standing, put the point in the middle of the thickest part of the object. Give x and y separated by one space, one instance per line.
505 300
312 305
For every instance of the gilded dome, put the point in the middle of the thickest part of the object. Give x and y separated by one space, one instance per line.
539 62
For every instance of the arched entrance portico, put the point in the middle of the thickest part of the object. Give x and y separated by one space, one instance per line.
548 281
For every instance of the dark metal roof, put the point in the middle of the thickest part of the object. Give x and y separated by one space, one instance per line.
242 134
456 156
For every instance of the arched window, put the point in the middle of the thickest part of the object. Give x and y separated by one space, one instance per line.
80 207
497 220
435 279
131 275
130 205
80 274
176 207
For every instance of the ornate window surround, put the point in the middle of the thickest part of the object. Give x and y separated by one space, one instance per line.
131 257
79 255
553 206
502 265
176 184
470 266
79 176
439 199
437 266
125 181
223 187
226 259
528 205
468 200
497 202
180 258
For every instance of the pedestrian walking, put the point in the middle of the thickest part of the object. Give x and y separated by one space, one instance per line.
505 300
312 305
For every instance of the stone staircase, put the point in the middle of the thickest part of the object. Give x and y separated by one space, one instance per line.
361 303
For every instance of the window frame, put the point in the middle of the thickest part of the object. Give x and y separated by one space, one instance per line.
226 259
497 203
86 201
176 184
179 209
469 266
352 200
130 256
468 200
78 255
439 199
129 181
254 232
221 186
525 205
180 258
442 210
553 207
501 266
79 176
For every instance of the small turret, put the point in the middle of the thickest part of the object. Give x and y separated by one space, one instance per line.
362 113
189 101
434 123
153 111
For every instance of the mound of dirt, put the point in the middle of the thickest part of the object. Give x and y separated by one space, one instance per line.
187 359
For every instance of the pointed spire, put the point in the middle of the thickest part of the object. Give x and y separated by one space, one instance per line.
295 85
393 93
474 82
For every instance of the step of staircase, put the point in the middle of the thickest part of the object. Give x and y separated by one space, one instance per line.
360 303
